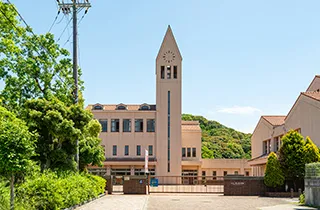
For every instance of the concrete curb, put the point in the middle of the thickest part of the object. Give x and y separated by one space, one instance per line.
86 202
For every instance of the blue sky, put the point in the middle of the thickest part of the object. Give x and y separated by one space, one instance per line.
242 58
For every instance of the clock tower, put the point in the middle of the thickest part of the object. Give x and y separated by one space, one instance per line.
168 99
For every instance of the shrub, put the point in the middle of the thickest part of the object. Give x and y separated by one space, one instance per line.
302 199
273 176
313 170
51 190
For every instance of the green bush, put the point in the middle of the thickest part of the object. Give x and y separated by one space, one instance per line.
50 190
4 195
273 176
302 199
313 170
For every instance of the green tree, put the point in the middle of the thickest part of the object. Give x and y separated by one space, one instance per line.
273 175
58 127
291 156
222 141
311 152
206 153
16 148
31 66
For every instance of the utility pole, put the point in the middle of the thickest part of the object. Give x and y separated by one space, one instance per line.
66 9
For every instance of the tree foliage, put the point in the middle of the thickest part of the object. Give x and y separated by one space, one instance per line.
273 175
58 127
311 151
31 66
16 144
291 156
219 141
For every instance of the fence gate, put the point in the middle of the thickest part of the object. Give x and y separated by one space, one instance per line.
186 184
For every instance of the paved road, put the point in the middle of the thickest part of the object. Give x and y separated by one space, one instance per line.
189 202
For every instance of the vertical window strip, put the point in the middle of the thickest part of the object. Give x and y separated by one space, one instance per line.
168 131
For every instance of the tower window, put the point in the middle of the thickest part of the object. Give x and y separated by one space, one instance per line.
175 72
188 152
162 72
168 72
121 108
194 152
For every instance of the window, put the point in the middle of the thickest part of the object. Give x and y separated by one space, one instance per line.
162 72
247 173
114 150
236 172
150 149
138 150
168 72
203 173
225 173
183 152
188 152
98 107
126 125
194 152
145 107
276 143
150 125
121 107
139 125
214 174
169 96
126 150
115 125
175 72
104 125
265 147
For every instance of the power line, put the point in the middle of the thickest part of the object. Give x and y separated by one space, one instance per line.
55 19
30 40
64 30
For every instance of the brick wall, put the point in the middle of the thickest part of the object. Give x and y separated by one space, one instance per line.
244 186
135 185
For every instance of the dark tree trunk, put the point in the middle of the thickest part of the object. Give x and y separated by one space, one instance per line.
12 193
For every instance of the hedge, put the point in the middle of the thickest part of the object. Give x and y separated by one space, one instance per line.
312 170
52 191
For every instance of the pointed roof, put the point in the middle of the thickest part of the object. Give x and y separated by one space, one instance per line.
312 94
314 79
275 120
167 40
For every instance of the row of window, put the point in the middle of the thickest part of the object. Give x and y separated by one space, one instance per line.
126 150
167 70
186 152
126 125
225 173
267 145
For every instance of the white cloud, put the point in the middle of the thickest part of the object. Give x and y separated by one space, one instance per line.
242 110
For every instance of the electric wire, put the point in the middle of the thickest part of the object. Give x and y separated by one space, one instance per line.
45 49
55 19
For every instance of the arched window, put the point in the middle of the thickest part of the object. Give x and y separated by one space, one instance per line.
144 107
97 107
121 107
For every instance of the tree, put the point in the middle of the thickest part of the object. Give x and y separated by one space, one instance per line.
291 156
273 175
58 127
31 66
311 152
16 147
206 153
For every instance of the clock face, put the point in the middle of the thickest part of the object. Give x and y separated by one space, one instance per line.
169 56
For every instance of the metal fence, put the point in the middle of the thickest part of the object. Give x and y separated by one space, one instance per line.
186 184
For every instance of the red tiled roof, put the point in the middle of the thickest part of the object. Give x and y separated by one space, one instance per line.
190 126
130 107
312 94
275 120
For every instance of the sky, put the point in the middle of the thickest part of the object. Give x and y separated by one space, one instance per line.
241 59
